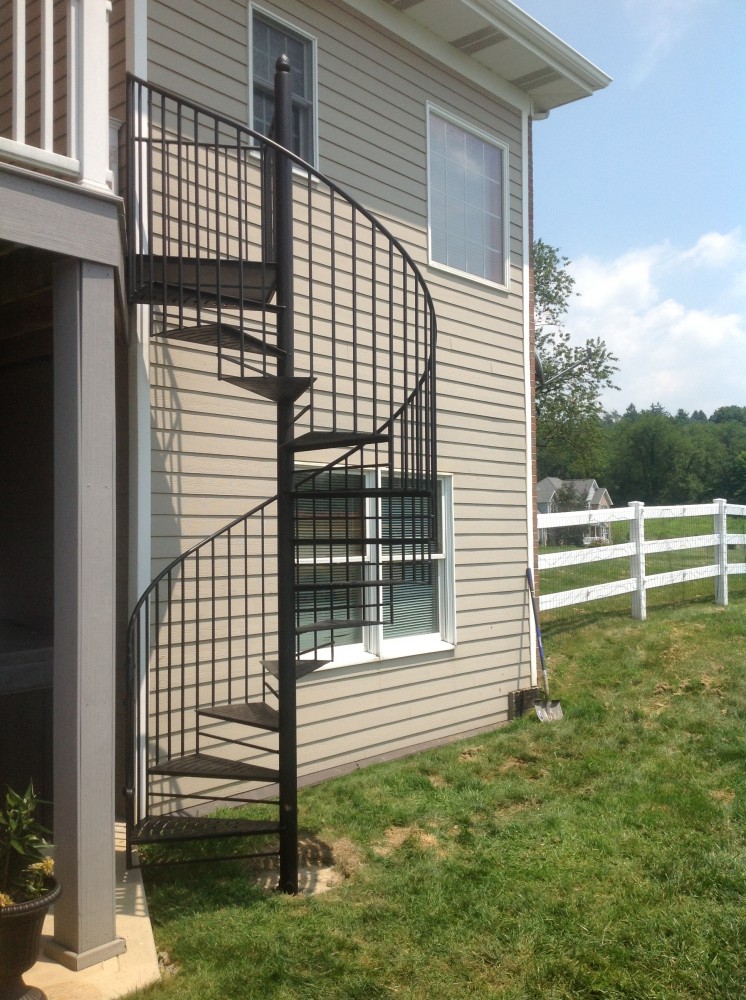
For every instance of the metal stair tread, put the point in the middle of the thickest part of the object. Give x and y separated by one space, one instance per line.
302 667
230 337
250 713
272 387
317 440
200 765
156 829
184 280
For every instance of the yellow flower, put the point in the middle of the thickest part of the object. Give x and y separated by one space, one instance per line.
5 900
45 866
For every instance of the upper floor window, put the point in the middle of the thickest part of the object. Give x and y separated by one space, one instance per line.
467 189
271 38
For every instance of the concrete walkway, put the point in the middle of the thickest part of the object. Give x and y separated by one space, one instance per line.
137 967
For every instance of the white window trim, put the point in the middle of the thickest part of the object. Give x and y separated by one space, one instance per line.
312 39
374 648
504 285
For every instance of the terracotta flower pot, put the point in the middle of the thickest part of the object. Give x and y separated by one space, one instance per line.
20 934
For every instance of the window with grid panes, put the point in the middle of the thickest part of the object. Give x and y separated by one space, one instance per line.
271 38
467 187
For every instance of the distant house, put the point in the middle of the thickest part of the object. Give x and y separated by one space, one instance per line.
590 496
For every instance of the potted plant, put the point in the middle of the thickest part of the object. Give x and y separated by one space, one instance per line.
27 889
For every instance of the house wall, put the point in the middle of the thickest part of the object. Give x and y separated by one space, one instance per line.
213 448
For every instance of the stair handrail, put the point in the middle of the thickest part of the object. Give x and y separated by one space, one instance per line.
423 384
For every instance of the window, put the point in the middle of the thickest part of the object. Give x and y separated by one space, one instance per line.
467 190
271 38
420 617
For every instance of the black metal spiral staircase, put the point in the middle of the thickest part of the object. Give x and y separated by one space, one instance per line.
306 301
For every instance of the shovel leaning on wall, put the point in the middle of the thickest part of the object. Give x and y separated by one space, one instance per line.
547 711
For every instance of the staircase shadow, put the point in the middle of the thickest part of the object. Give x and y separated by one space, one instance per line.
242 883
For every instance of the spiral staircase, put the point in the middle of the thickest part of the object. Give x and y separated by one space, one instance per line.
307 303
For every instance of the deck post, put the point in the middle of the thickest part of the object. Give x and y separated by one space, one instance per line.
283 213
84 614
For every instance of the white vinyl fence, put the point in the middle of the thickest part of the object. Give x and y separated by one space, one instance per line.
637 548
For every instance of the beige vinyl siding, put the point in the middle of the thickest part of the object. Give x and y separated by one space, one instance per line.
117 59
199 51
213 446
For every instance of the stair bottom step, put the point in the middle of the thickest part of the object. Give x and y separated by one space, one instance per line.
163 829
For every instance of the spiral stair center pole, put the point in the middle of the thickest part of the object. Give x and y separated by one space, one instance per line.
288 758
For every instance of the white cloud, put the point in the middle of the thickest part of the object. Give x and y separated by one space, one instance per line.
676 343
717 249
659 24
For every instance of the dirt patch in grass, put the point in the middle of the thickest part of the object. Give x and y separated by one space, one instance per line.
321 866
166 964
437 781
724 795
348 858
683 641
314 853
469 753
396 836
511 764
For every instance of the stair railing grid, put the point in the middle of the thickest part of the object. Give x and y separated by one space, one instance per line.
203 200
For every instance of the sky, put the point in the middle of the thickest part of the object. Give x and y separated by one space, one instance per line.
643 187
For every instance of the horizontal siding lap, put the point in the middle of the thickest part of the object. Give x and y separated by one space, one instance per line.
448 725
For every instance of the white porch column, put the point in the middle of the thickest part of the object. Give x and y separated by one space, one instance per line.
84 613
88 109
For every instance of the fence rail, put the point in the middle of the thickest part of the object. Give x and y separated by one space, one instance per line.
638 548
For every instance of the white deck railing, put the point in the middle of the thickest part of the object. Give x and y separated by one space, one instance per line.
86 87
637 548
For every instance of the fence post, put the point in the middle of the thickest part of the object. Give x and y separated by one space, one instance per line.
721 553
637 560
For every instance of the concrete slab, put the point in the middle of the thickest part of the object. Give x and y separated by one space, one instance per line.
136 967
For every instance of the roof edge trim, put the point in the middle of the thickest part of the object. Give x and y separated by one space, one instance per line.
427 41
514 21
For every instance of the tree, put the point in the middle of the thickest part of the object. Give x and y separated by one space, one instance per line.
739 472
646 456
568 428
664 459
725 414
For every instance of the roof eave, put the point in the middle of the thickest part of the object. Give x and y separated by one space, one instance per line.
498 36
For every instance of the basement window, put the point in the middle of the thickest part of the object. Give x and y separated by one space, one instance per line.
422 616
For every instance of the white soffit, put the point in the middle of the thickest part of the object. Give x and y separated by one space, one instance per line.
507 42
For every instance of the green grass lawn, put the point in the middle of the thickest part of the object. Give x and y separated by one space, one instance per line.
603 856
